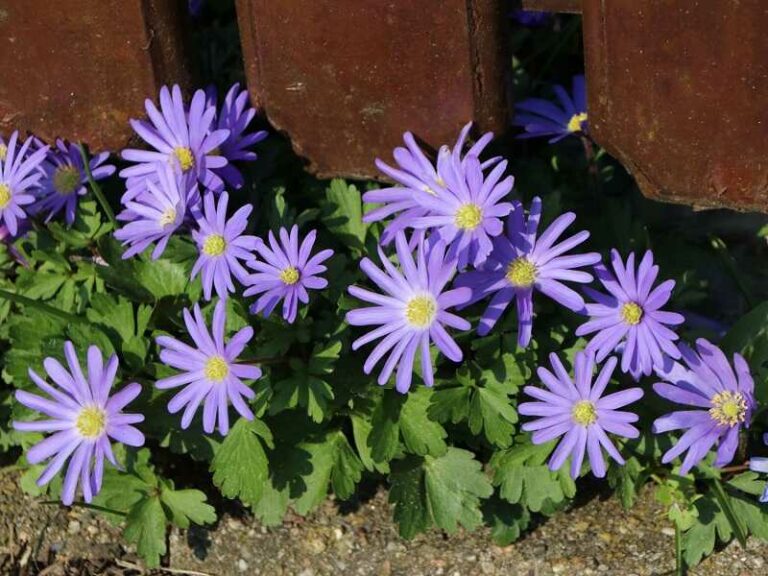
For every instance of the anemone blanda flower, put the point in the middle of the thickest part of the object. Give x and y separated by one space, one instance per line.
288 269
234 116
180 136
65 179
722 404
522 263
210 374
411 313
416 175
761 465
83 418
467 215
221 246
19 175
539 117
577 410
155 214
631 313
8 239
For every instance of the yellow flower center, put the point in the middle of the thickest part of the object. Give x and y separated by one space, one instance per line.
421 311
728 408
584 413
5 195
289 276
576 122
216 369
631 313
91 422
168 217
3 151
469 216
185 157
66 179
521 272
214 245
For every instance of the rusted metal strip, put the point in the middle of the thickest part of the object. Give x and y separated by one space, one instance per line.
677 94
344 79
83 70
572 6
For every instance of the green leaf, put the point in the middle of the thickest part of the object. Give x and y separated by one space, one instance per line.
739 530
408 493
240 466
507 521
185 506
361 431
421 435
699 540
384 439
145 527
344 214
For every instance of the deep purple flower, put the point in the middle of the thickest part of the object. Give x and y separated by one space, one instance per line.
155 214
722 404
181 137
234 116
531 18
412 312
415 176
209 373
65 179
19 176
8 239
577 409
761 465
539 117
222 245
83 417
288 270
521 263
631 313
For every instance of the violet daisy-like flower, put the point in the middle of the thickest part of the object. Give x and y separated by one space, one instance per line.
542 118
210 374
19 175
234 116
631 313
181 137
761 465
82 418
287 271
522 263
411 313
416 175
577 410
222 245
155 214
467 215
65 179
720 404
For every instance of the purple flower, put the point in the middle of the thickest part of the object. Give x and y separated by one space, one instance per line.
65 179
722 404
416 176
521 263
412 312
630 313
8 239
82 420
288 270
156 213
209 372
531 18
235 118
577 409
181 137
19 175
222 245
761 465
539 117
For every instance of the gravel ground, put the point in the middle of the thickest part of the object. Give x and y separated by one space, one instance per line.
595 538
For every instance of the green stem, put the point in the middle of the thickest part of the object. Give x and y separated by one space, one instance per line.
19 299
737 526
96 188
94 507
679 565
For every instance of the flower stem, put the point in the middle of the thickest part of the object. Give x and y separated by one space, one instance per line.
679 564
19 299
96 188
